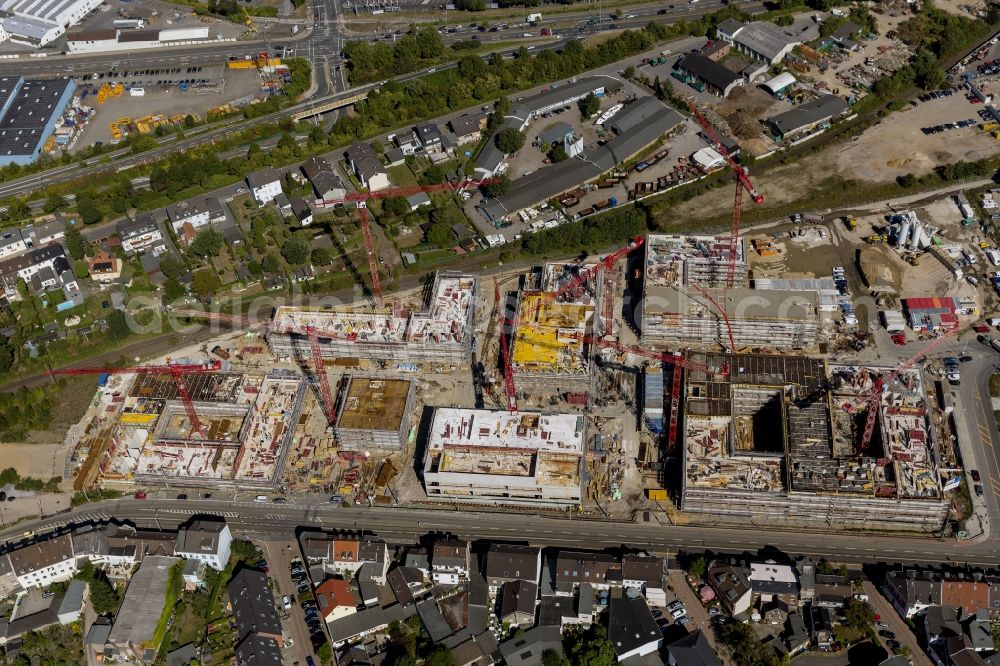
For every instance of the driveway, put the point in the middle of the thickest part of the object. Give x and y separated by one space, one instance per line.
896 625
677 580
279 559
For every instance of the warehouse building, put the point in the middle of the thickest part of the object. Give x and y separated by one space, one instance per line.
374 414
35 23
761 40
637 126
779 83
482 456
719 80
29 110
772 438
684 280
435 329
807 116
549 351
97 41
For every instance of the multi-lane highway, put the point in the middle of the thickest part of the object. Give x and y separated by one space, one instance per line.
406 525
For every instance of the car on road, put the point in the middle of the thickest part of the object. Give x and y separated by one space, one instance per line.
182 496
260 499
965 359
286 601
885 633
280 500
881 625
893 645
975 475
981 328
138 495
899 338
979 489
950 361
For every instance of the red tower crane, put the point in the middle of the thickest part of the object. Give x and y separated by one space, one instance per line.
583 276
742 182
360 199
874 397
725 316
508 371
175 370
312 333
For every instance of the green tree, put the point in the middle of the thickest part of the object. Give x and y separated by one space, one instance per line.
103 595
552 657
173 290
117 326
205 282
207 243
53 203
440 657
321 256
295 250
432 175
75 242
497 187
558 154
509 140
189 121
396 206
696 569
270 263
440 234
629 71
80 269
858 614
7 354
589 647
89 213
589 105
745 646
171 266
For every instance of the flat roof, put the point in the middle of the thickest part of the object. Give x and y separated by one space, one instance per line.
34 104
480 428
443 321
369 403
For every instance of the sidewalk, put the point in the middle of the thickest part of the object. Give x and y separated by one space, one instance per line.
977 524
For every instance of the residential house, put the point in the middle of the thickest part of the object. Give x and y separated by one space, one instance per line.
770 580
795 636
11 243
265 185
820 626
258 629
71 605
731 586
831 591
138 616
407 584
468 128
142 233
560 611
506 563
967 595
192 211
692 650
517 603
104 267
33 611
301 211
600 570
345 557
911 591
193 574
8 580
644 573
631 628
806 570
477 651
450 561
46 262
206 540
231 232
282 203
354 627
526 648
335 599
45 562
941 622
430 138
407 142
44 233
216 210
325 181
367 167
979 631
416 558
415 201
955 651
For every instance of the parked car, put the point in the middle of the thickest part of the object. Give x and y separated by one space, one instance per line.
881 625
975 475
893 645
139 495
979 490
286 601
885 633
182 496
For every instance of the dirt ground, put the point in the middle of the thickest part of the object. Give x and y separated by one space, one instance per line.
41 461
896 146
169 101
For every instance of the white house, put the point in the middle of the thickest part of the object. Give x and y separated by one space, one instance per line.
49 261
367 166
450 562
43 563
71 606
11 243
140 234
265 185
192 211
206 540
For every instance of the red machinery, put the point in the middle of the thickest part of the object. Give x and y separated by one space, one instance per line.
874 396
508 372
361 199
722 311
176 370
742 182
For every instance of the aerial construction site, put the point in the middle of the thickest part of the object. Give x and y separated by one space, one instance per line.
716 394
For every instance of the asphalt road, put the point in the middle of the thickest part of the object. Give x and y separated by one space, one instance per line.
406 525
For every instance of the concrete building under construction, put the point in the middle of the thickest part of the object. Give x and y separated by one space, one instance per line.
772 439
436 329
247 426
550 350
684 289
374 414
494 457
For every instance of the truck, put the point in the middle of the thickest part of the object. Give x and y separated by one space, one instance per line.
534 19
607 203
546 32
129 24
852 224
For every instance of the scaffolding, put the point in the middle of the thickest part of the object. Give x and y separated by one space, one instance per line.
374 414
